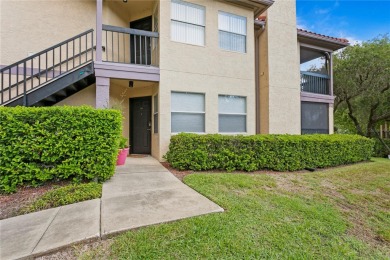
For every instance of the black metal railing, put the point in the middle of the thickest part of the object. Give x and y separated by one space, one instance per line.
43 67
315 83
131 46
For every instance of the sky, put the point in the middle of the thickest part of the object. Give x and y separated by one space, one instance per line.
355 20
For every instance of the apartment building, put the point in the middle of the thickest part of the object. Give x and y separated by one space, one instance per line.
170 66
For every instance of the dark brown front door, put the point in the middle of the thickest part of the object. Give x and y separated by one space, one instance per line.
140 125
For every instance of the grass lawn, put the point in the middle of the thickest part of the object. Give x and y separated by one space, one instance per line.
49 195
337 213
66 195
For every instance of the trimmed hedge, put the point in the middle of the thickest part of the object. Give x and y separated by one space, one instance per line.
379 149
45 143
273 152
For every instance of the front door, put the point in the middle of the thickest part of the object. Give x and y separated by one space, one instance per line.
140 50
140 125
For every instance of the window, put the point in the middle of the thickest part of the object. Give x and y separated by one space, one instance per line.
188 112
155 114
315 118
232 32
187 23
232 114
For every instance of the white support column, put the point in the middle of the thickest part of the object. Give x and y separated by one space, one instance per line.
99 26
102 92
331 72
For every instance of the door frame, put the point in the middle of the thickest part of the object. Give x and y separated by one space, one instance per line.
146 18
131 121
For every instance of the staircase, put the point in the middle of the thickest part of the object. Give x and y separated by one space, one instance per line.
51 75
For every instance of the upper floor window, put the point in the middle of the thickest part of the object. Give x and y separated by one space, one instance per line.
187 23
232 32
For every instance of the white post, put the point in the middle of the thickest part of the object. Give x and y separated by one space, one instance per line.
102 92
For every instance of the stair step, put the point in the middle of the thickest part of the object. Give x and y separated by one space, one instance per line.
72 88
61 93
59 89
50 99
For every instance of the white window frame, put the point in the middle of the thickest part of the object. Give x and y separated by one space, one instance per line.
234 33
234 114
190 112
188 23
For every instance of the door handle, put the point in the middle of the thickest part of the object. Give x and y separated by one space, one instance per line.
148 129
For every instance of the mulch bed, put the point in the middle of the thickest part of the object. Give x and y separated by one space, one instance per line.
11 204
179 174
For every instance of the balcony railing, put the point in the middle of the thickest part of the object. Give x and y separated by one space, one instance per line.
315 83
130 46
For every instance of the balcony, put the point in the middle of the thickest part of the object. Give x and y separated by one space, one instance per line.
129 46
315 83
127 43
316 71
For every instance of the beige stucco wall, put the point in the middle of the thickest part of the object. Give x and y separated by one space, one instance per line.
31 26
34 25
279 71
205 69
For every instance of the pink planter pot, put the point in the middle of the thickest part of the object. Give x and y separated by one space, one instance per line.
122 155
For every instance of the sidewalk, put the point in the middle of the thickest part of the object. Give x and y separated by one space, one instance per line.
141 193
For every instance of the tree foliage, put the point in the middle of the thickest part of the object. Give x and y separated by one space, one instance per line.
362 86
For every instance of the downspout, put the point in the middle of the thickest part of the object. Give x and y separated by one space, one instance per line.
258 32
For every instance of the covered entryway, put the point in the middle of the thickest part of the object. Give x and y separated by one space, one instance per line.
140 125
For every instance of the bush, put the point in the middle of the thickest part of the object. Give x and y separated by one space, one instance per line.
65 195
41 144
379 149
273 152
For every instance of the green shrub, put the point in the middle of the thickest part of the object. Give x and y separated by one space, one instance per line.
379 149
122 142
65 195
273 152
41 144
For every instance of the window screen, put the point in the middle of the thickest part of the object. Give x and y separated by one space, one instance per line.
315 118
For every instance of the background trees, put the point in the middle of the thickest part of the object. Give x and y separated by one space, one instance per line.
362 86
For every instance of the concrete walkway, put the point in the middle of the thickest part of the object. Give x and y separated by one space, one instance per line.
141 193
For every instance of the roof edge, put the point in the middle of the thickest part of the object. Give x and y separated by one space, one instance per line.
259 6
319 37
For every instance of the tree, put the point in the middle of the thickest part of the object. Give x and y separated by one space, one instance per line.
362 86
